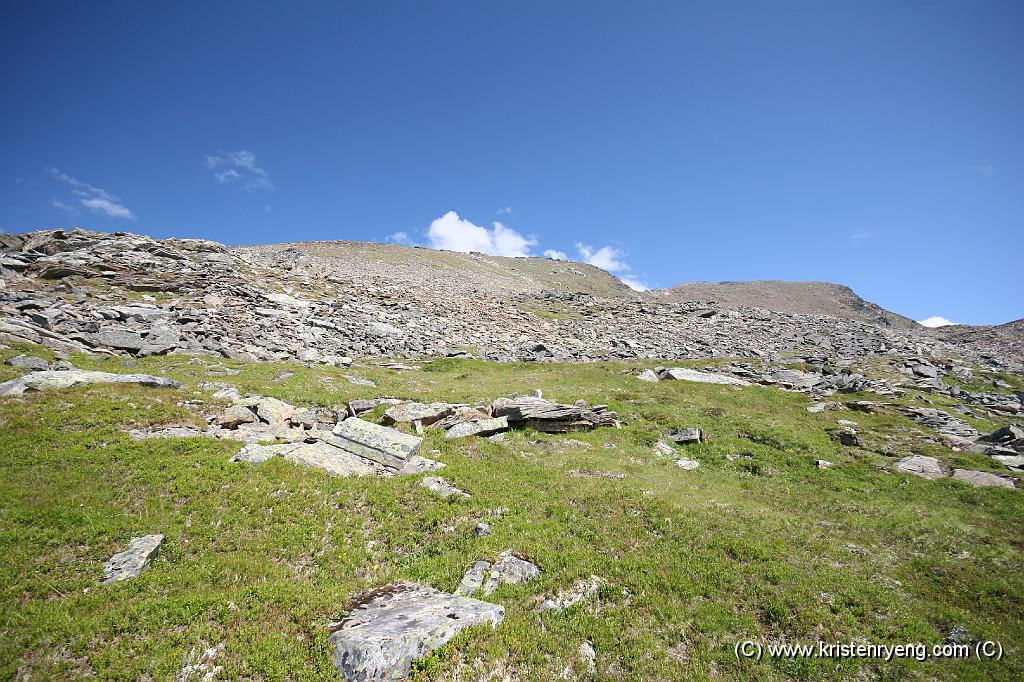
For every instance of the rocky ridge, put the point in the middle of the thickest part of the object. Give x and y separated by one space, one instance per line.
121 293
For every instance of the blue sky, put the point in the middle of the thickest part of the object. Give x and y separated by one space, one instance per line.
879 145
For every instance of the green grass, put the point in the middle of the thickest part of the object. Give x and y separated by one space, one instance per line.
261 558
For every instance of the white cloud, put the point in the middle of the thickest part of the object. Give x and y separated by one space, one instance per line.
556 255
455 234
112 209
606 258
861 235
507 210
610 259
239 167
93 198
634 284
985 171
401 238
935 321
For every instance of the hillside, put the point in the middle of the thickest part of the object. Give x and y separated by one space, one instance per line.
361 462
798 298
450 271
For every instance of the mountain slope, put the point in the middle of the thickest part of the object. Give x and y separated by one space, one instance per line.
448 270
800 298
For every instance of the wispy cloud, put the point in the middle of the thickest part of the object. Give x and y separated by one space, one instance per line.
860 236
985 170
506 211
457 234
935 321
239 168
402 238
556 255
88 196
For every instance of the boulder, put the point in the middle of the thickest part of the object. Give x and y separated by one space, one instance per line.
426 413
235 416
29 362
51 379
121 339
1010 435
131 562
275 412
648 375
481 427
687 464
919 465
687 435
848 437
392 626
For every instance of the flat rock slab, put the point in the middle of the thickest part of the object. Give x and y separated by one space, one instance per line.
648 375
426 413
326 457
686 374
481 427
919 465
382 444
687 464
982 479
53 379
440 486
132 561
1012 461
395 625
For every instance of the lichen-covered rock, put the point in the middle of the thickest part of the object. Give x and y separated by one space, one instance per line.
132 561
395 625
648 375
52 379
687 464
382 444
